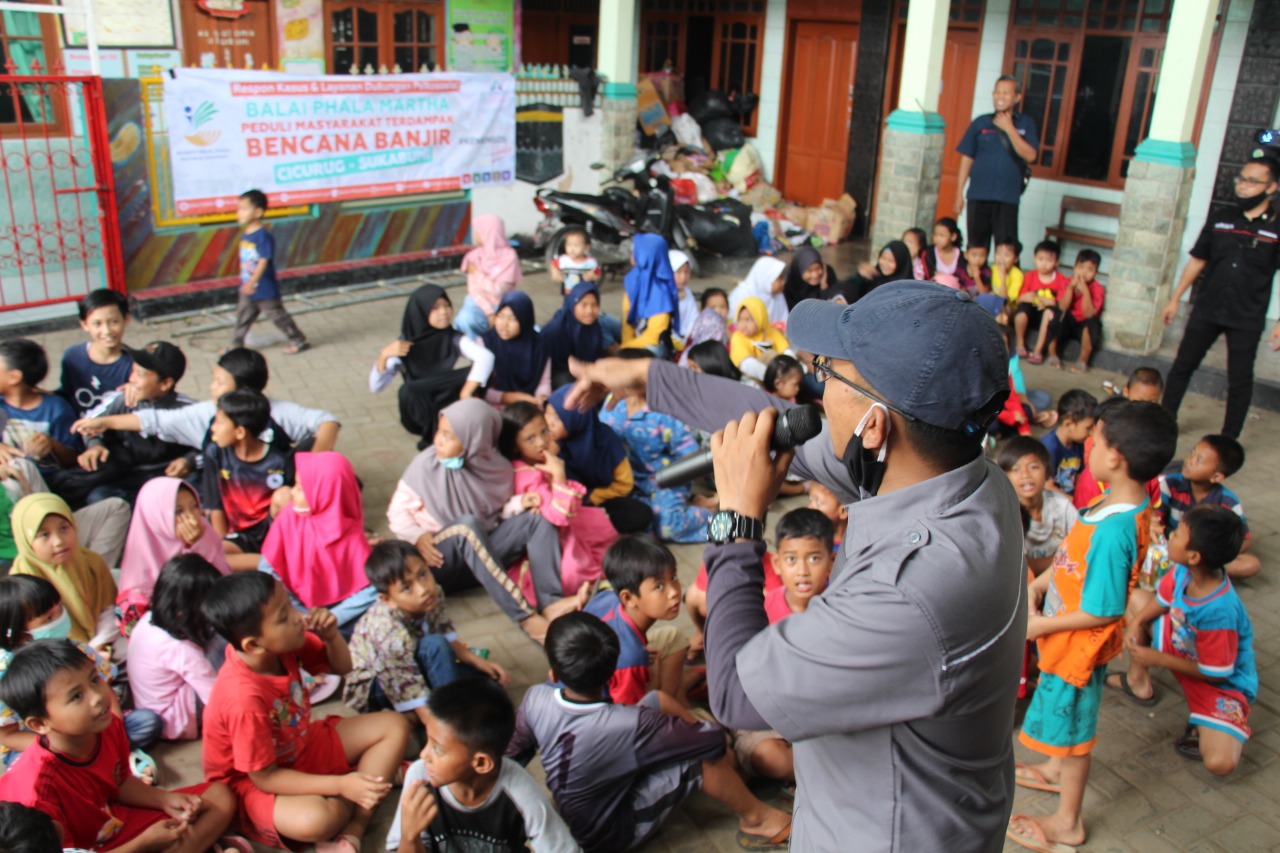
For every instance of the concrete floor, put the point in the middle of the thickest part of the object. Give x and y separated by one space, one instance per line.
1142 796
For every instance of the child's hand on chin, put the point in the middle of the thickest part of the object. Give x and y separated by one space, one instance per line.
418 809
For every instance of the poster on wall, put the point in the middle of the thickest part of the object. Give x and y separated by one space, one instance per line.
482 36
316 139
124 23
300 35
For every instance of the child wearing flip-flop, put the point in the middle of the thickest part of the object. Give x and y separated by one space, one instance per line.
1038 300
1197 628
297 779
617 772
1076 617
1079 314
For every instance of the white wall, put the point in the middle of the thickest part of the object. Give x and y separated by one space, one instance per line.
770 109
514 203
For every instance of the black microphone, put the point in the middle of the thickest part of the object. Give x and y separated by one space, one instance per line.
793 428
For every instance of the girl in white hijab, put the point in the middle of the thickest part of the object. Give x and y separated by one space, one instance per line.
765 282
688 304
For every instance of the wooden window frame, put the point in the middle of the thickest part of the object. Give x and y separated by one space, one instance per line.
719 66
386 10
53 57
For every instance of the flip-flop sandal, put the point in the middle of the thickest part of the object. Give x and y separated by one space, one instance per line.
341 844
1035 839
1022 352
139 764
1125 690
780 841
1054 362
233 844
1079 367
1037 781
1035 358
323 687
294 349
1189 744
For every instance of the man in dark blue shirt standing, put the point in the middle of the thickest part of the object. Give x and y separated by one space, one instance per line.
993 151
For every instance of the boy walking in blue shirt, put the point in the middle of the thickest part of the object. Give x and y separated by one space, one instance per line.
259 288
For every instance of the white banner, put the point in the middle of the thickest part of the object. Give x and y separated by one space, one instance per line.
303 140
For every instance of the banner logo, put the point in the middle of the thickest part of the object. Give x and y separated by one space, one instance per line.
196 119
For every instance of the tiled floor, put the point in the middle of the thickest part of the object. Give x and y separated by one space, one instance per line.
1142 796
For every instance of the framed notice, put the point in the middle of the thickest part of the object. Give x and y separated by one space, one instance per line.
123 23
482 36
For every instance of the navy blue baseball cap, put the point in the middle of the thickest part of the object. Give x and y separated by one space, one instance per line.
930 351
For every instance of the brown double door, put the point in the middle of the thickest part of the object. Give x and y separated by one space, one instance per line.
816 108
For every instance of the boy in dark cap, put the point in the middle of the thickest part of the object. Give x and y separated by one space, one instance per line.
906 668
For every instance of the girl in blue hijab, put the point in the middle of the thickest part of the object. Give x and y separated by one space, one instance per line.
574 331
520 369
651 304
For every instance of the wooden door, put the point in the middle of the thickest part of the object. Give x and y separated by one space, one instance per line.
814 136
959 76
247 41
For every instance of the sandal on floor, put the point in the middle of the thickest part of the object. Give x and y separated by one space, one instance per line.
1124 688
1035 839
294 349
143 768
1079 367
780 841
1035 358
1054 362
1035 780
1189 744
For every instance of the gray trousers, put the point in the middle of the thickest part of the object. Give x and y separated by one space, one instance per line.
473 556
247 311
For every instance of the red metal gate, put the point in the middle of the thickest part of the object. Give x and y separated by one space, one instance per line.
59 236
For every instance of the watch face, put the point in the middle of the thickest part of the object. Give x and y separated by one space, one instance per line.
720 527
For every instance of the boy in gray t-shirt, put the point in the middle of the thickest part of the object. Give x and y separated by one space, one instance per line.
617 771
1026 462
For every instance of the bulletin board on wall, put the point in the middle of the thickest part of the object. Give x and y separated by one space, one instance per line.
123 23
229 33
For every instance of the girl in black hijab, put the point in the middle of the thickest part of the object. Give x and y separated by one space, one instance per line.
893 264
425 355
808 277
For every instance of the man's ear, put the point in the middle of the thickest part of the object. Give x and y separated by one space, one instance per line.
876 431
483 763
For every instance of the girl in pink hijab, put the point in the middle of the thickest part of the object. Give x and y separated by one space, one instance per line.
492 270
317 545
167 522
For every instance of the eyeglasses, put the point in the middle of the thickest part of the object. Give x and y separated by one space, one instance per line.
823 371
1257 182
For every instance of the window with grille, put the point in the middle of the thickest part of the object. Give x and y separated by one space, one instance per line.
27 46
379 34
1089 71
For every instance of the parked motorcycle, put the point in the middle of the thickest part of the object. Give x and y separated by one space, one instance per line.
614 217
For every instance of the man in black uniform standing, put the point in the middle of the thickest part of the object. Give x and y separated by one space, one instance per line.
1238 252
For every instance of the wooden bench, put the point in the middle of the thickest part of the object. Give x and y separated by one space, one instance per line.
1064 233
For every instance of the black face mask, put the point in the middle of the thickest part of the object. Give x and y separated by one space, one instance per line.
866 468
1249 202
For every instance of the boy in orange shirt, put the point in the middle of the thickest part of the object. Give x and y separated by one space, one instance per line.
1077 610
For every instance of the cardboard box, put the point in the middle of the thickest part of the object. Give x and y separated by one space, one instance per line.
649 109
834 219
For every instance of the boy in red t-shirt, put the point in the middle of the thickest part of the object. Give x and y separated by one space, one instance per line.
293 775
77 771
1038 300
1079 313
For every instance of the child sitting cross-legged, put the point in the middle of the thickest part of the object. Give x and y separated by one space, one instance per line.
617 772
73 770
294 776
405 645
1197 628
643 590
462 794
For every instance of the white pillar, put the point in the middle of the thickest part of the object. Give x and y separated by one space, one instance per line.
618 56
922 55
1182 77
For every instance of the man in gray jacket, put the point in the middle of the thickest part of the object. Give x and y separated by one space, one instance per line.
897 685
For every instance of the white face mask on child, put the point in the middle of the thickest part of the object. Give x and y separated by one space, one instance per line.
58 629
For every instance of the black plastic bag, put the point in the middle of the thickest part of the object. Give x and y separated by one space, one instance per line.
722 227
711 104
723 134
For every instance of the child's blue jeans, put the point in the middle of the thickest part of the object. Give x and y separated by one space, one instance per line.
142 727
439 664
471 319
